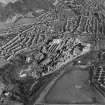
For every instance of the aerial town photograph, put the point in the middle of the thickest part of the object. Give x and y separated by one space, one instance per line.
52 52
